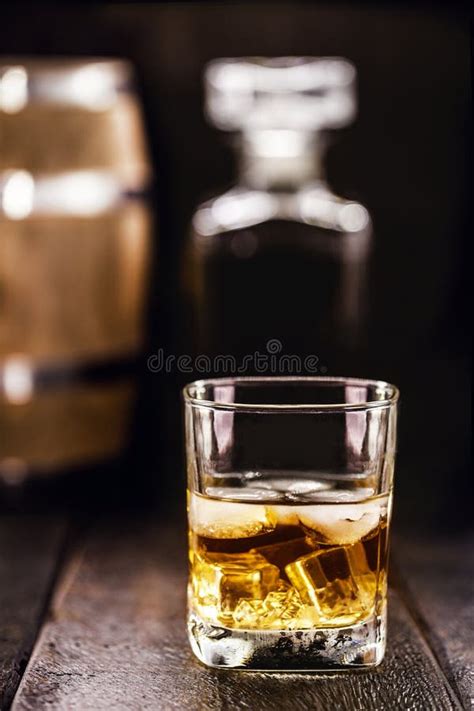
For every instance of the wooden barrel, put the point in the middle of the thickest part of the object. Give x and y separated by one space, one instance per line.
72 286
62 115
75 244
72 299
49 429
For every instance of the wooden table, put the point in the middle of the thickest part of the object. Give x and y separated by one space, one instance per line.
92 617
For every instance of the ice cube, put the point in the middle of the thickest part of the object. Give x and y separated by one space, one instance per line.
225 519
220 581
288 486
307 617
285 552
282 608
362 572
343 495
248 613
285 515
279 610
242 493
375 550
342 524
325 580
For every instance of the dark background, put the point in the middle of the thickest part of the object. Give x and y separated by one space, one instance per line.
406 158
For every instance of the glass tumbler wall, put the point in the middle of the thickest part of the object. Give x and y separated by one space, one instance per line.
289 501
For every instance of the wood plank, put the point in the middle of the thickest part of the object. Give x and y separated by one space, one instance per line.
440 592
29 551
116 639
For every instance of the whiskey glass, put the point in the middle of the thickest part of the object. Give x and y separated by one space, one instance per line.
289 502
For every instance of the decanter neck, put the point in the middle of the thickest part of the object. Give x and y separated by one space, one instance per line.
280 159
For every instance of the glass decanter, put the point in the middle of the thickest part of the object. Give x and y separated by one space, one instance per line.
277 264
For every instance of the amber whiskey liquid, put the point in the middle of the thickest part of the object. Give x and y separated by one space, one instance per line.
288 568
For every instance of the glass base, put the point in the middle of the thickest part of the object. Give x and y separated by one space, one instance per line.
322 649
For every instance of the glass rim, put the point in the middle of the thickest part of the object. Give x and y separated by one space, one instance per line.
191 389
